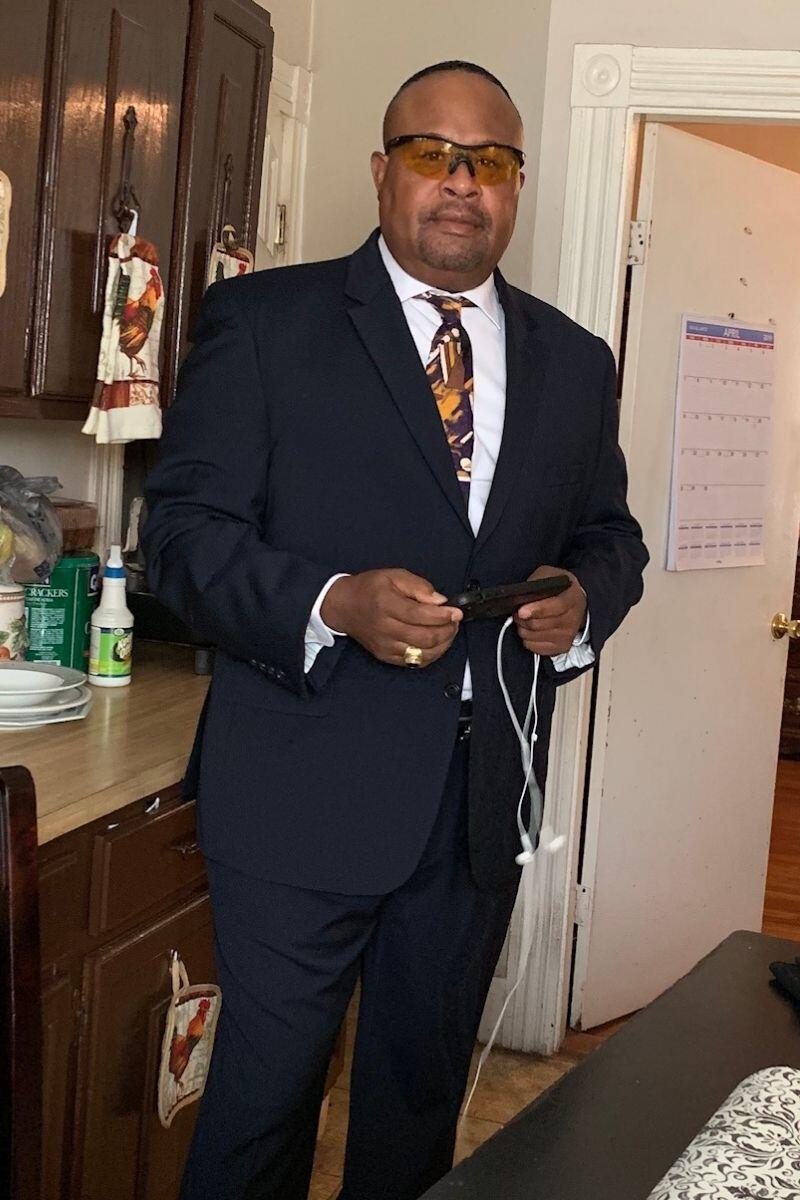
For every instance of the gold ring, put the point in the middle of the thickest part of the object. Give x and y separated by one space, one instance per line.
412 656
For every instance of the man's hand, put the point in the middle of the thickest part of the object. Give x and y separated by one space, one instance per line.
550 626
390 609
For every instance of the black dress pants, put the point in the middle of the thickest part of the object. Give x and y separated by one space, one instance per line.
288 960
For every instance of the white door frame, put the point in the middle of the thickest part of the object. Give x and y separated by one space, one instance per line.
612 87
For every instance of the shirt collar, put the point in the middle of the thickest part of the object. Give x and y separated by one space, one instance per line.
484 296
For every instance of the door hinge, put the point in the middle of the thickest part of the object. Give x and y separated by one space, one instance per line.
280 225
583 904
638 239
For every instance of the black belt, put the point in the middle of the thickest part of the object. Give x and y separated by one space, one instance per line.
464 720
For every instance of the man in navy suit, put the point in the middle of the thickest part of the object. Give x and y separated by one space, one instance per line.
353 442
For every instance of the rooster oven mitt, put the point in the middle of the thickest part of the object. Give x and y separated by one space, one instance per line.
228 259
126 403
188 1042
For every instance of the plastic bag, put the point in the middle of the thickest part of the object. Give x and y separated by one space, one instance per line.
34 524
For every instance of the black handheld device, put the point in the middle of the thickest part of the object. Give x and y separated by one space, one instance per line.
503 600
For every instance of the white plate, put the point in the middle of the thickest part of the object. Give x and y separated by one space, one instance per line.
64 700
23 684
74 714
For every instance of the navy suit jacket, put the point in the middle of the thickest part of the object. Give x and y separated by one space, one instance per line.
304 441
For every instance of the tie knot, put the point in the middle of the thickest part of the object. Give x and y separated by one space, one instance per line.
448 307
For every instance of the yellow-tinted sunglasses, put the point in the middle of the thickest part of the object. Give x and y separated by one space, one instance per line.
436 158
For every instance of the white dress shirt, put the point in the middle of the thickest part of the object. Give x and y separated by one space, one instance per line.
485 324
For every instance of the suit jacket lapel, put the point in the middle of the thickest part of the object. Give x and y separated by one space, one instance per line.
527 357
379 321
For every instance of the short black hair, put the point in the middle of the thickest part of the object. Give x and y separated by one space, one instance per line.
452 64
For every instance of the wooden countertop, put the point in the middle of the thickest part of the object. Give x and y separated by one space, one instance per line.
135 740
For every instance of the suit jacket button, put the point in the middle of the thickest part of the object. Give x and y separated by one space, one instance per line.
473 585
452 690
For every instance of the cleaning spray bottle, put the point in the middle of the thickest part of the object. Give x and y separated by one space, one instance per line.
111 643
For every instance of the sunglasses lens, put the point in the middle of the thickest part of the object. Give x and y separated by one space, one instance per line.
434 158
493 165
427 157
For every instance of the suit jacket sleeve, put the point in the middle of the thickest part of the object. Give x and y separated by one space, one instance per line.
606 552
206 555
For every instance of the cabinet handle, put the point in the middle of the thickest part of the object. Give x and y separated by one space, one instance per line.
186 848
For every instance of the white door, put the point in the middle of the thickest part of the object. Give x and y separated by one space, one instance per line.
690 692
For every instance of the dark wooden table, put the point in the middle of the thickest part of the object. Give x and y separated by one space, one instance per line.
613 1126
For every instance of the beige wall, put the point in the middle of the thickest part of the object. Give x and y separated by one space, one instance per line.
292 21
48 448
735 24
361 51
778 144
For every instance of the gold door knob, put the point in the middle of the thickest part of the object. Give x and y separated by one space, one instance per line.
781 625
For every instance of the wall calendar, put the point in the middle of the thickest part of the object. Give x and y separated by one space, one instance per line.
723 438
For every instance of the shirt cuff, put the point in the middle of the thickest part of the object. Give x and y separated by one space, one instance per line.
318 634
580 654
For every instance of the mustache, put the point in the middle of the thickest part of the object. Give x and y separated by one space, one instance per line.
447 211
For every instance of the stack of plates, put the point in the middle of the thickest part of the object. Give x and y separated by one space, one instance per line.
34 694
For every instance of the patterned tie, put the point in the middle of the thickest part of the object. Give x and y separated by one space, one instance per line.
449 373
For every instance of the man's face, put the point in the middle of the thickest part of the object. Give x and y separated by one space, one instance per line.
449 233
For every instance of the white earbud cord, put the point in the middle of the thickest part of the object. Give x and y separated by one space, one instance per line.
527 740
532 897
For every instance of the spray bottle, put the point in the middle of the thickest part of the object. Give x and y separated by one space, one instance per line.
111 644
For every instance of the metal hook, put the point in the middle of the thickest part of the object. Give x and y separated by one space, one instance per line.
126 203
227 178
230 238
228 235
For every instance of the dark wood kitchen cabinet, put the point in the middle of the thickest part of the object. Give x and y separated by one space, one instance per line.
222 145
105 56
124 1150
23 59
61 1014
197 74
116 896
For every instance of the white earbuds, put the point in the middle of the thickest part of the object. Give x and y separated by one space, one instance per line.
527 735
548 843
526 854
548 840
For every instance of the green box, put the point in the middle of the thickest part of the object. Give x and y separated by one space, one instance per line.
58 612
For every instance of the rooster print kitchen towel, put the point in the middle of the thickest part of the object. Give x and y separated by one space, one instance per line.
126 402
188 1042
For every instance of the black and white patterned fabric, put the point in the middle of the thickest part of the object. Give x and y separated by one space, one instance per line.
749 1150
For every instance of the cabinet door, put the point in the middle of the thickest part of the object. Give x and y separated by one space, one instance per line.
222 145
61 1013
107 55
23 47
125 1153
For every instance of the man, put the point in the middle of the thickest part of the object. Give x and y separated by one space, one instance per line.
353 442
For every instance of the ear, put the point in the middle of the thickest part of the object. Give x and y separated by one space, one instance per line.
378 165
